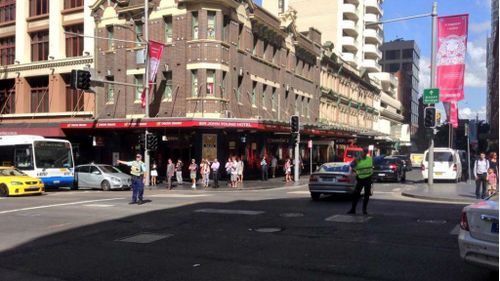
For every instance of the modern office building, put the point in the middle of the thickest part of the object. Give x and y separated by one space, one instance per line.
401 57
492 77
36 57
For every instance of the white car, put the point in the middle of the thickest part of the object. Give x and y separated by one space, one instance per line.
447 164
478 238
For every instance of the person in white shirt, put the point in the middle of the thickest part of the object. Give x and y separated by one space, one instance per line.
215 172
234 174
481 167
241 167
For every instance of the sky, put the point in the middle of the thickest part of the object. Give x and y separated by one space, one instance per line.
420 31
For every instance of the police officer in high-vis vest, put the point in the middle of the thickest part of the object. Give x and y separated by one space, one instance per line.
138 171
363 167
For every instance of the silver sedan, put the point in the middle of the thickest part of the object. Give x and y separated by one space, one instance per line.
332 178
105 177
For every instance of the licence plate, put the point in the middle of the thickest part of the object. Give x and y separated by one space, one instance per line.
56 181
330 179
381 175
438 173
494 227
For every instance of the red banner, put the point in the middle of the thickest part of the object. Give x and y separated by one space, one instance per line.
451 109
155 50
450 57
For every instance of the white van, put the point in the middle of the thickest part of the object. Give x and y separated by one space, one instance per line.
447 164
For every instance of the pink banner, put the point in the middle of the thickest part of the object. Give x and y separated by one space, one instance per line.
450 57
155 50
454 114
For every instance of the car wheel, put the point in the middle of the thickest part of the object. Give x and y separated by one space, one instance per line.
105 186
4 191
315 196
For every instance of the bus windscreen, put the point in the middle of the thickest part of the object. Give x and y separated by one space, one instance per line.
50 154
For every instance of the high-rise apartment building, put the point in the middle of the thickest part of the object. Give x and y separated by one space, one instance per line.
36 58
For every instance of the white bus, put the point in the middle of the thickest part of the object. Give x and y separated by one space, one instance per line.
51 160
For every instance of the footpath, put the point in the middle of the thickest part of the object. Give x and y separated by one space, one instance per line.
463 192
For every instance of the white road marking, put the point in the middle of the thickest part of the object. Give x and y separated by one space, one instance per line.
180 195
455 230
230 212
298 192
144 238
348 218
99 205
57 205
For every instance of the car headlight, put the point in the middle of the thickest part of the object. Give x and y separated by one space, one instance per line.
16 183
115 180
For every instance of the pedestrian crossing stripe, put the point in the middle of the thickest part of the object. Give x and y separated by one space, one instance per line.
99 205
179 195
298 192
348 218
230 212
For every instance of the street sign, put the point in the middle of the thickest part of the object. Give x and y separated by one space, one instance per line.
431 96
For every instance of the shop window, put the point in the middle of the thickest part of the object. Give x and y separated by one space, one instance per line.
74 43
139 84
110 32
110 90
7 10
167 93
40 45
211 25
210 82
7 97
7 50
39 7
254 93
194 25
168 29
69 4
194 83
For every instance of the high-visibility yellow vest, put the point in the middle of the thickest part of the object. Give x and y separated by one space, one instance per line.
364 167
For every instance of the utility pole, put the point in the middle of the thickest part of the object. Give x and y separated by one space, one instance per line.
430 176
468 150
146 89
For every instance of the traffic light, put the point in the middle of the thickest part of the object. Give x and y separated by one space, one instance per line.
152 142
430 117
80 79
140 140
294 138
294 124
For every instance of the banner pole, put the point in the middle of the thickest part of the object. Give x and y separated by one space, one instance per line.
146 89
430 175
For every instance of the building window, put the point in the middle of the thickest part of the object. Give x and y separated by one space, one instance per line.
274 100
238 90
110 31
263 96
408 53
255 43
240 36
211 25
223 85
194 25
211 82
275 54
7 10
7 50
39 94
194 83
307 108
297 105
139 83
7 97
168 29
167 93
281 6
74 99
40 46
393 67
138 33
254 93
74 43
392 55
39 7
110 90
69 4
225 28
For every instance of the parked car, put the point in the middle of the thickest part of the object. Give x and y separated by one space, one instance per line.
332 178
447 164
389 168
14 182
105 177
478 237
406 161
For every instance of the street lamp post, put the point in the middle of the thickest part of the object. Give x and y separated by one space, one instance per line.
146 89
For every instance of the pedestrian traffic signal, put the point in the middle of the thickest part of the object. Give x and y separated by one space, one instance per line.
80 79
430 117
294 124
152 142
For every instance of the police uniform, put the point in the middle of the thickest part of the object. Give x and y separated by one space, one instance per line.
364 171
137 169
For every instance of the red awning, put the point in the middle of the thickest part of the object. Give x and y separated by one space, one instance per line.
45 132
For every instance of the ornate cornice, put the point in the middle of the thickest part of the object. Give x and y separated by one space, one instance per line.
47 64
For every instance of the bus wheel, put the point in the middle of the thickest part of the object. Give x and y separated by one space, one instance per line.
105 186
4 191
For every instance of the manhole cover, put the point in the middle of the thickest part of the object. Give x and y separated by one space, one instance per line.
432 221
291 215
268 229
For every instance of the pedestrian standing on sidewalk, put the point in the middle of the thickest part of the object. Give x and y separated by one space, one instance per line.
264 168
287 168
234 173
192 173
481 167
178 171
170 173
215 172
494 162
228 169
363 167
274 164
492 182
206 173
154 173
138 171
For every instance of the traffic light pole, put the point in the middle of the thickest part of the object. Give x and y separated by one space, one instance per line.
146 90
430 175
296 160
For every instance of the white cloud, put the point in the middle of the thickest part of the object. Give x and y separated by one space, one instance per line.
424 74
469 113
475 68
480 27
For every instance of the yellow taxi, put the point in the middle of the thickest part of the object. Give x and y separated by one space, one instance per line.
13 182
